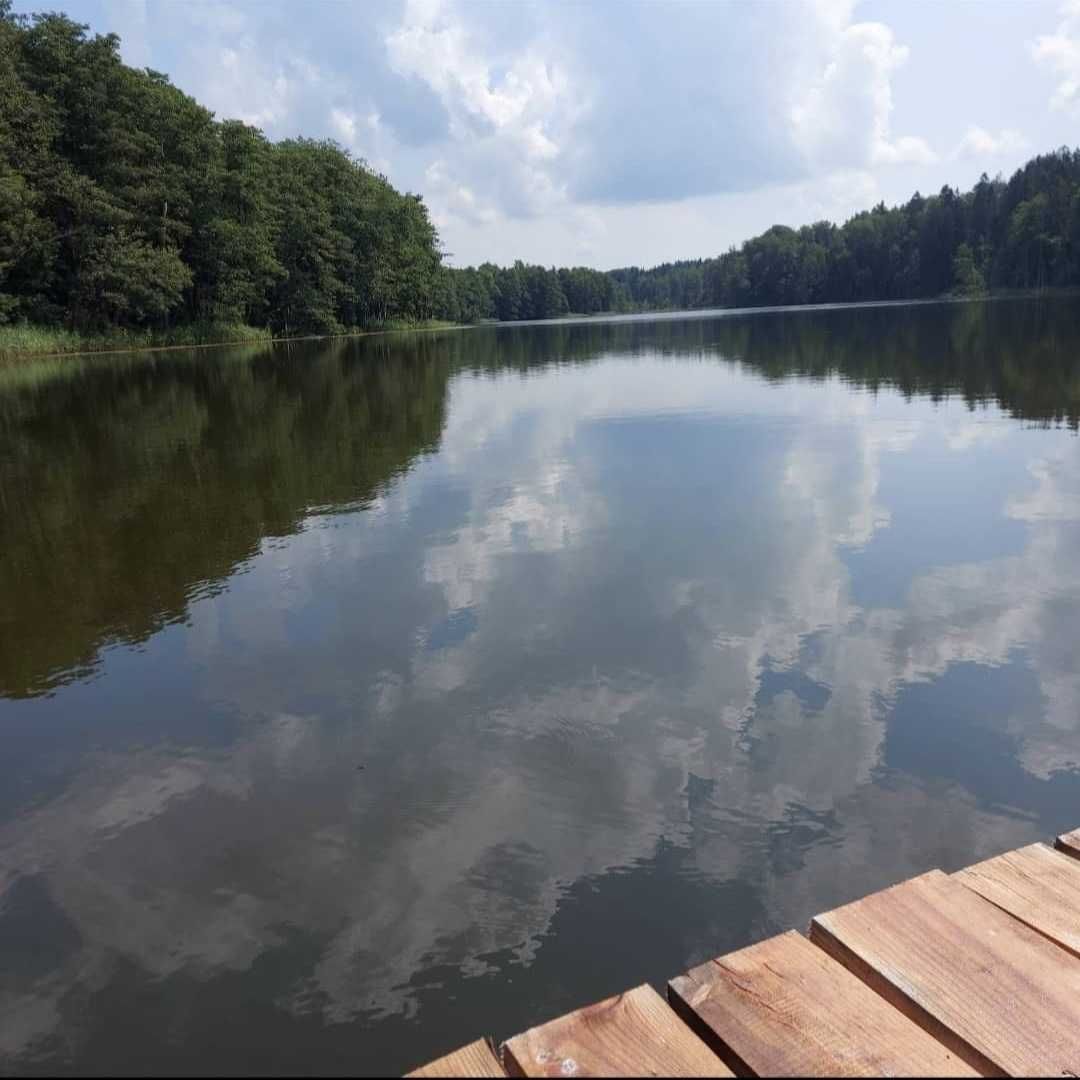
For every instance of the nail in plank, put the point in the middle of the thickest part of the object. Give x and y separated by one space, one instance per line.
631 1034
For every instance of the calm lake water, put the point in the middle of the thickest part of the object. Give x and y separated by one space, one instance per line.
361 697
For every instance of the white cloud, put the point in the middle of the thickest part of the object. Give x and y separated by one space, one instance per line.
843 119
537 126
344 124
841 193
503 122
979 143
904 150
448 198
1060 52
361 135
528 116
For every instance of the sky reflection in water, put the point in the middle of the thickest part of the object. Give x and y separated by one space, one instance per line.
360 697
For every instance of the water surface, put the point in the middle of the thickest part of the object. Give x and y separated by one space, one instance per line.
360 697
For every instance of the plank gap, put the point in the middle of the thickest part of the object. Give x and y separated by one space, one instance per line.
785 1008
1035 885
991 988
1069 843
631 1034
478 1059
870 977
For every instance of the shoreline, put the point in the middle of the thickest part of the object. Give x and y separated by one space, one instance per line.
20 355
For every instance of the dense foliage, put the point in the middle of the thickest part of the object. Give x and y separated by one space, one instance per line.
123 203
523 291
1023 233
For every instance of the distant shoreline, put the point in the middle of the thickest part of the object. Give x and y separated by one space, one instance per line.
435 326
700 313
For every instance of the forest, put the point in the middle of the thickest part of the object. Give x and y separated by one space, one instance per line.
1020 233
127 209
125 204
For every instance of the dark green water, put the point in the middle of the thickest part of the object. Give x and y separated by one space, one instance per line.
357 698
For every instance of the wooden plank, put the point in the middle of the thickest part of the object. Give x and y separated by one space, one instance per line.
1035 884
1069 843
476 1059
785 1008
994 991
631 1034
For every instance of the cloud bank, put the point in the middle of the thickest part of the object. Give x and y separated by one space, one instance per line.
533 130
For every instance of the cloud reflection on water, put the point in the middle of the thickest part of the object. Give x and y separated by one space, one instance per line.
664 665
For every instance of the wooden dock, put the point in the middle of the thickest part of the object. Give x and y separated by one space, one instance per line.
976 973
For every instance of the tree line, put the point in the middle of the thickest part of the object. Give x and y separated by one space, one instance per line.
124 203
1023 233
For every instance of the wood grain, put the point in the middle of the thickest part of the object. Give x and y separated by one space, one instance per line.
1035 884
994 991
631 1034
476 1059
1069 843
785 1008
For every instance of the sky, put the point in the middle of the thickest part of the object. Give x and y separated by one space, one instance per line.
624 132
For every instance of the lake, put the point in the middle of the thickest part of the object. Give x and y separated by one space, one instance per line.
360 697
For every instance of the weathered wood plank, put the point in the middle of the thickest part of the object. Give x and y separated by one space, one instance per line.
1069 843
1035 884
631 1034
993 990
785 1008
476 1059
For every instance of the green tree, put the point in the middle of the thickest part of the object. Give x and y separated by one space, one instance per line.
127 281
967 280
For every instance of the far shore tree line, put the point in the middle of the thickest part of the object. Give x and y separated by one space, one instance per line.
1020 233
125 207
